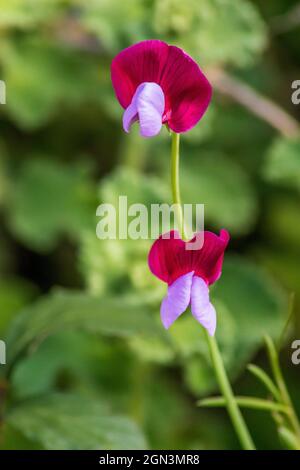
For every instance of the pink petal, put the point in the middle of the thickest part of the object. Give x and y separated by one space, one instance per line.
147 106
201 308
169 259
164 257
216 274
177 299
186 89
142 62
208 261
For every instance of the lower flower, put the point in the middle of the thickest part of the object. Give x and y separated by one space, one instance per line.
188 273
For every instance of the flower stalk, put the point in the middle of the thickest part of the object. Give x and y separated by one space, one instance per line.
217 362
284 394
175 183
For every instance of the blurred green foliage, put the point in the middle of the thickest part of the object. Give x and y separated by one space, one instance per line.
89 365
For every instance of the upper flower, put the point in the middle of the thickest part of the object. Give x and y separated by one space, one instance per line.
156 84
188 274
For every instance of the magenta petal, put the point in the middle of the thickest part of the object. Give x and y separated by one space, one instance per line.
147 106
208 261
169 259
201 308
217 271
177 299
164 258
186 89
142 62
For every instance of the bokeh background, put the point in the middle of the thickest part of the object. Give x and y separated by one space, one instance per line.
88 364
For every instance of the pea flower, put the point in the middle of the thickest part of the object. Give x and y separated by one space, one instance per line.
188 274
159 84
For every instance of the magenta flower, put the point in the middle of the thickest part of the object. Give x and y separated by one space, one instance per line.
159 84
188 274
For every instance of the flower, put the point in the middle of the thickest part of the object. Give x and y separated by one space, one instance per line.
159 84
188 274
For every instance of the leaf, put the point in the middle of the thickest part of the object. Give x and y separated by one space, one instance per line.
120 264
41 79
283 264
27 13
3 174
70 422
256 302
282 225
225 190
218 31
63 310
14 294
50 199
282 165
153 349
105 19
137 187
78 360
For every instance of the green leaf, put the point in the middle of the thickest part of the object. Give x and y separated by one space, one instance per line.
63 310
27 13
70 422
3 173
256 302
50 199
225 190
144 189
14 294
120 264
153 349
73 355
282 165
105 19
218 31
43 77
281 226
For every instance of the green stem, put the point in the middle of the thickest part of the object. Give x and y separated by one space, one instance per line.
175 182
233 410
3 392
265 380
285 396
252 403
232 407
